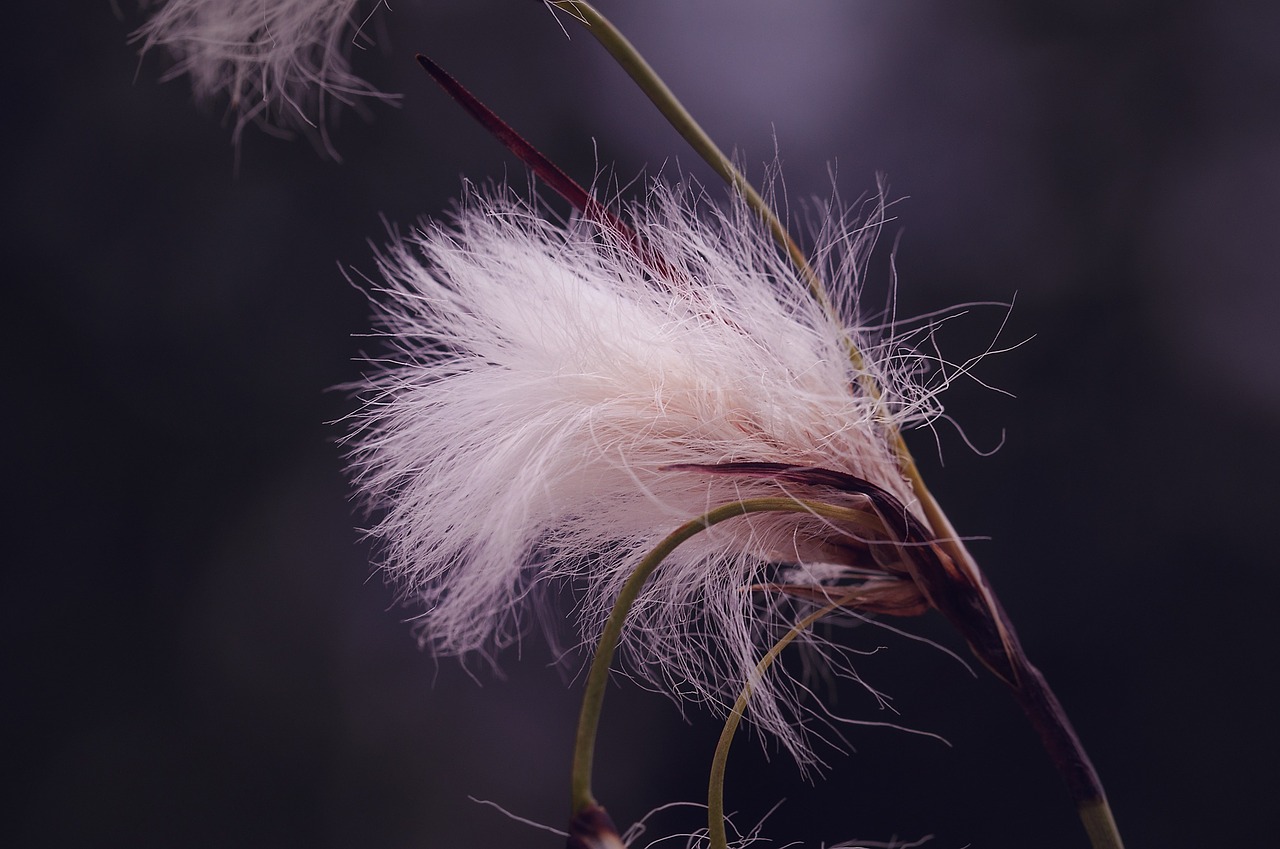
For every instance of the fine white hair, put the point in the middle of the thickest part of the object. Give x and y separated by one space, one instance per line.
282 63
518 442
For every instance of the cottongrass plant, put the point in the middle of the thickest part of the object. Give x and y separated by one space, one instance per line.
667 411
561 397
558 402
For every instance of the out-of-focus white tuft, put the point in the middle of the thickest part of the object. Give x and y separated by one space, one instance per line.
544 379
281 62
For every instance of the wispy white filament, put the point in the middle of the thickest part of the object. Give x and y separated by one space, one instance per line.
544 380
281 62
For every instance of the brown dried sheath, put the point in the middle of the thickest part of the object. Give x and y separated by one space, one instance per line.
970 607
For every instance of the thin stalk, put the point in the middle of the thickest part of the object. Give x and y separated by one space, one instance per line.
715 788
1029 687
598 676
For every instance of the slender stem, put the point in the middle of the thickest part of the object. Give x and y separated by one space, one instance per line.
715 789
1100 825
1059 739
598 676
1042 707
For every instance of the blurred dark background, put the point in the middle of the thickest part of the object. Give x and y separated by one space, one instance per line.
196 652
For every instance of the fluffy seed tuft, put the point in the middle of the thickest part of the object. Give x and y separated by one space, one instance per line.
551 389
281 62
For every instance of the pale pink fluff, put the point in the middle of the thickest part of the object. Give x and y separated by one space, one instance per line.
281 62
543 378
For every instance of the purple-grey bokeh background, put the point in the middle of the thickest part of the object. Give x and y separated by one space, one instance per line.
196 653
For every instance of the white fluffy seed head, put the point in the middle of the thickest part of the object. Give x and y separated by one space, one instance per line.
544 379
282 63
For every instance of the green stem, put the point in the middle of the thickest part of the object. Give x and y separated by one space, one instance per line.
1100 824
598 676
1092 804
715 789
1094 810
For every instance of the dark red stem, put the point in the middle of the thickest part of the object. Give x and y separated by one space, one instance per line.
546 170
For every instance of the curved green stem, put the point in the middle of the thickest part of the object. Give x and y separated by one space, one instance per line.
715 789
598 676
1091 804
